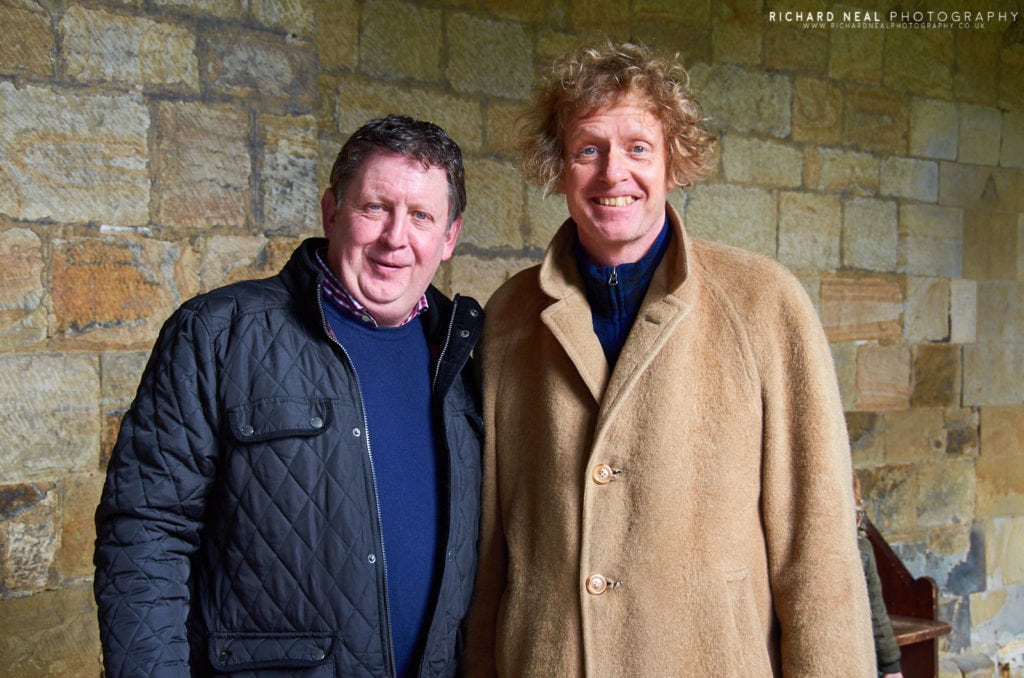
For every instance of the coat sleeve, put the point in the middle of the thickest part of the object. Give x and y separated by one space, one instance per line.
818 588
150 515
887 649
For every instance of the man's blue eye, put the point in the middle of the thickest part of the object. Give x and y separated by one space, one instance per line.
422 216
639 149
589 150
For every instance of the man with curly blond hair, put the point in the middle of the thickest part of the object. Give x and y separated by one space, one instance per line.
666 469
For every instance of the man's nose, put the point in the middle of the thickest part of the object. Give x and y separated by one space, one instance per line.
395 230
615 166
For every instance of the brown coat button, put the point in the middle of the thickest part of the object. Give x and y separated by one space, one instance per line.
601 474
597 584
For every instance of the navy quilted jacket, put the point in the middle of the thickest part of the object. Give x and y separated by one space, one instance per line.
238 530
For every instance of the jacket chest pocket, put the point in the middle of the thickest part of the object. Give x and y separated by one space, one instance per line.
273 418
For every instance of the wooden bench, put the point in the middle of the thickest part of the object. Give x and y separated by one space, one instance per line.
913 610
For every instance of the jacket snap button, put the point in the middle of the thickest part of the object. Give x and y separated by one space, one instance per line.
596 584
316 422
464 334
318 655
223 657
371 558
473 312
356 432
602 474
247 430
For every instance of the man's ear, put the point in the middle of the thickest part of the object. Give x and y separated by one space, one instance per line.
328 209
451 237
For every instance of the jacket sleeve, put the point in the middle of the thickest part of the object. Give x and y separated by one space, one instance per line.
150 515
818 588
479 659
887 649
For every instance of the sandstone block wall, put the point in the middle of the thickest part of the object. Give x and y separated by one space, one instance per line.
154 149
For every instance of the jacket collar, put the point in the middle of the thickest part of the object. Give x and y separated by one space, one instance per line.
568 317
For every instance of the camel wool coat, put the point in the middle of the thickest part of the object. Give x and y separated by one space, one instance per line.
688 513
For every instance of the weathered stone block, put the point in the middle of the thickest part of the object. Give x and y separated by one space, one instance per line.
1000 311
53 633
890 494
692 41
544 216
1011 65
956 557
992 374
876 120
337 34
921 62
51 421
834 170
1000 483
1002 431
224 9
926 310
30 52
745 101
980 135
202 166
946 492
736 31
86 164
22 312
809 231
909 178
936 375
734 215
771 164
962 437
489 57
518 10
934 128
963 310
1004 554
867 436
794 49
856 55
990 244
115 290
100 47
79 495
494 222
931 240
914 436
870 234
861 308
362 100
694 11
883 377
29 537
817 110
500 131
1011 152
417 55
260 66
599 16
976 76
120 373
227 259
479 277
289 195
294 16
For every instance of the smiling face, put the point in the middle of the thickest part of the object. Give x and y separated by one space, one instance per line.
615 180
390 233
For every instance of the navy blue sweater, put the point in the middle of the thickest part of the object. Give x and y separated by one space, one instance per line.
393 366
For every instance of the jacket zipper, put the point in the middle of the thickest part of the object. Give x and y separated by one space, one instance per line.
444 346
373 478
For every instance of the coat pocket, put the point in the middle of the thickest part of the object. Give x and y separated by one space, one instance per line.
270 418
272 654
750 645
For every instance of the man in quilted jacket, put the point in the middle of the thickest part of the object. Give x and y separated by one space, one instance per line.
294 491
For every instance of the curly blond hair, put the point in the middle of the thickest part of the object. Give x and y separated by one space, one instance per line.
595 76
